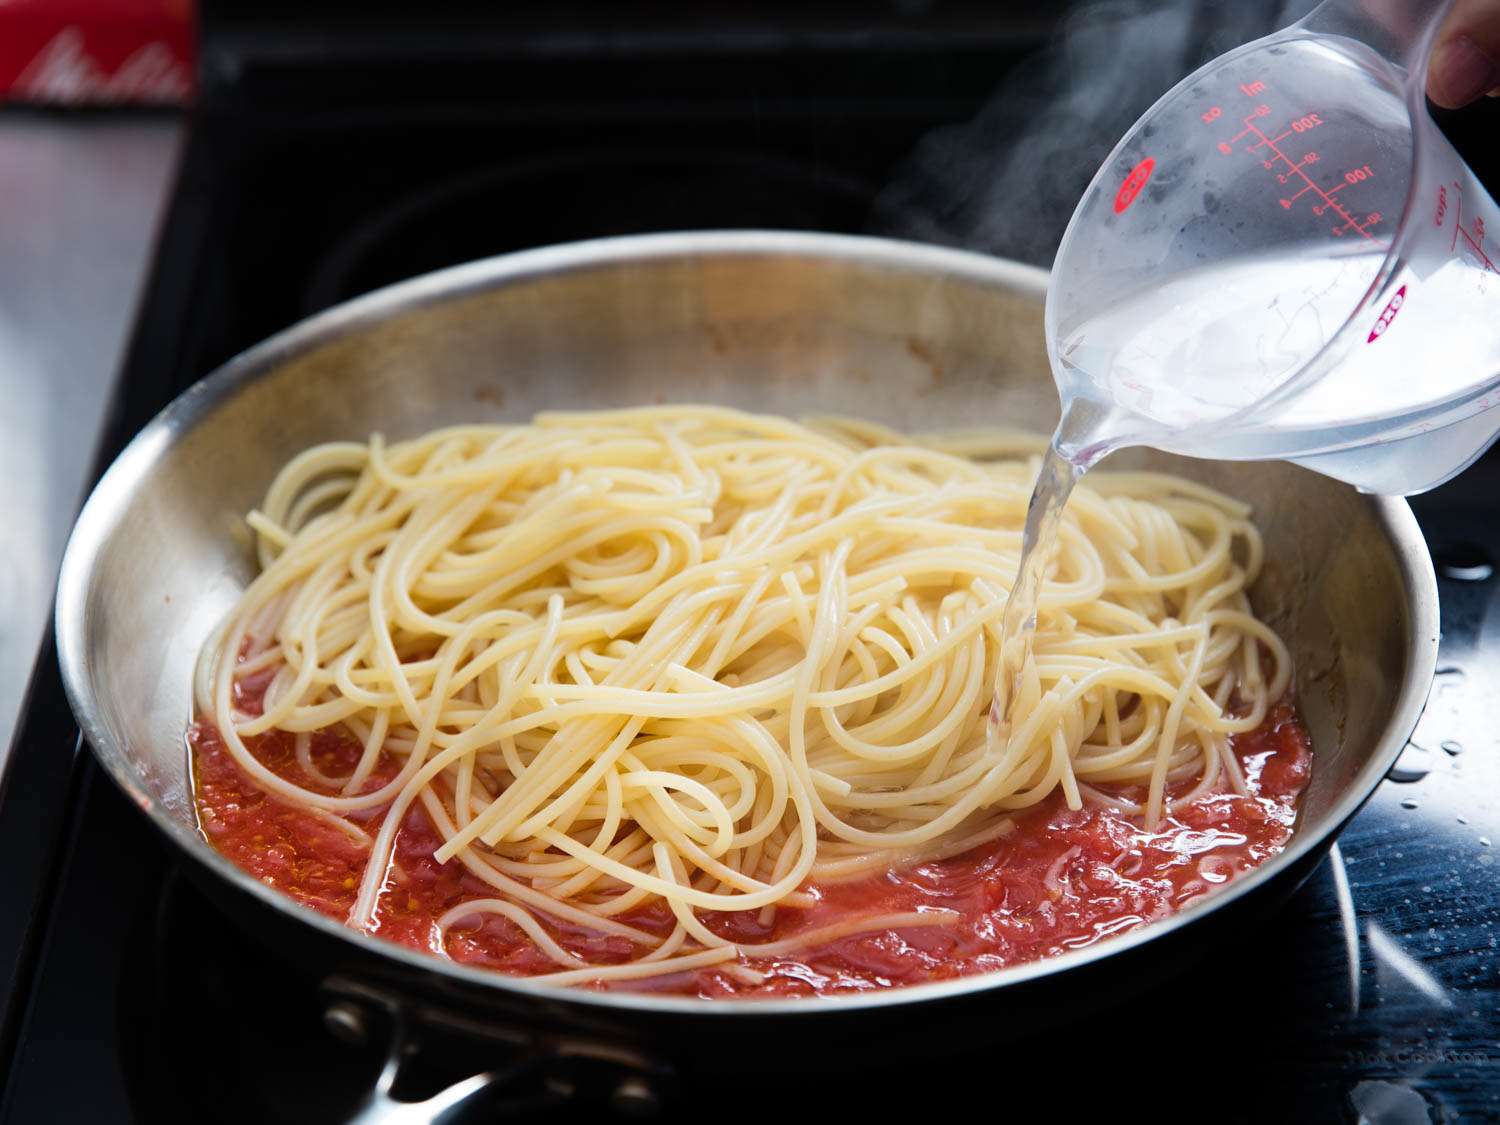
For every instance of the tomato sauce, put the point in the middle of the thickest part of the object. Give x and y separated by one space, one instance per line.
1062 880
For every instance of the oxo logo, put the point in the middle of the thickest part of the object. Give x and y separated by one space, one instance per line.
1387 315
1133 184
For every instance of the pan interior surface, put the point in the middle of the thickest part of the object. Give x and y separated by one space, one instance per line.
915 337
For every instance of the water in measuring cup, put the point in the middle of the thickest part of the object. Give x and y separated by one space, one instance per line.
1206 344
1201 365
1194 367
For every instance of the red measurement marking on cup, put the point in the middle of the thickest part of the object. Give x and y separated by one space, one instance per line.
1475 237
1387 314
1294 171
1133 184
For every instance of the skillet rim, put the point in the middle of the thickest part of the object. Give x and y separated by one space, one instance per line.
133 465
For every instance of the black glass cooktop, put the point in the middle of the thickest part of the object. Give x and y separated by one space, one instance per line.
322 166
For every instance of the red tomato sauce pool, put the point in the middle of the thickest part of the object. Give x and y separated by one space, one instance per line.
1062 880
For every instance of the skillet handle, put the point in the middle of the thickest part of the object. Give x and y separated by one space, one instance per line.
544 1074
447 1107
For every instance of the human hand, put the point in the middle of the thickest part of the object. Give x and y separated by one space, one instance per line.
1466 60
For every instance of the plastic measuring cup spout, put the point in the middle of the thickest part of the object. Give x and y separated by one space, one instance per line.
1400 31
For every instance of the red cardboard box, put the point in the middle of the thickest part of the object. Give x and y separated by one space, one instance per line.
97 52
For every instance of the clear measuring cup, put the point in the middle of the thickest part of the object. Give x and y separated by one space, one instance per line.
1286 258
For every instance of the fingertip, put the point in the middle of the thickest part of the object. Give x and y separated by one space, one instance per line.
1460 72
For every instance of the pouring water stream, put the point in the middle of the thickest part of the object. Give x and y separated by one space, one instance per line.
1260 269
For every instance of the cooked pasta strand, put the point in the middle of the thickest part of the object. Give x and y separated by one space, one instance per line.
692 656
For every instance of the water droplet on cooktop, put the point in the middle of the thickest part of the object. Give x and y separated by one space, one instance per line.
1408 804
1388 1103
1414 764
1464 562
1484 841
1461 818
1452 747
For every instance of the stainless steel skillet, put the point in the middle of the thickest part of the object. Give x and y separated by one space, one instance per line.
915 336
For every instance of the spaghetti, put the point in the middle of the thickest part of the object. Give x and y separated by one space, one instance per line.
701 660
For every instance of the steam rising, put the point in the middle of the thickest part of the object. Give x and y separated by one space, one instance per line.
1007 182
